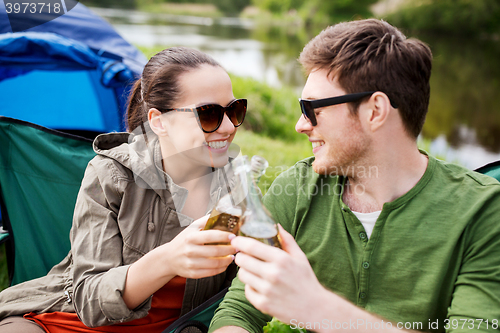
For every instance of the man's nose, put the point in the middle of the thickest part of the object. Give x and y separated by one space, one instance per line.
303 125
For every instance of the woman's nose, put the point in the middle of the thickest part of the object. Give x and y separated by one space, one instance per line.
226 126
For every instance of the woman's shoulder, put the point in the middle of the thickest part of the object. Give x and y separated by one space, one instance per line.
112 155
105 166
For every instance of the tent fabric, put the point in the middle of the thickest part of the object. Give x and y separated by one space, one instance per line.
40 175
71 74
61 84
82 25
44 50
491 169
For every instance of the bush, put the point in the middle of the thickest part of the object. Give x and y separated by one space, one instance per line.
271 111
455 17
280 154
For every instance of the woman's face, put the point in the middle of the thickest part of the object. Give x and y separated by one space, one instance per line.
184 139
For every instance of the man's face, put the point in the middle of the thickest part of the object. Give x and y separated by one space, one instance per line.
338 140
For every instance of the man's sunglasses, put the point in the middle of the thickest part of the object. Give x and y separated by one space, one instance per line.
308 105
210 116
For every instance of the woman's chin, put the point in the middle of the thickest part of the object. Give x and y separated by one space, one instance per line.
219 161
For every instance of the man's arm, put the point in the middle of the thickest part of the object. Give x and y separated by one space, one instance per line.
235 310
283 284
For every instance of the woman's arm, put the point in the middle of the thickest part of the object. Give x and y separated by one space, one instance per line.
186 256
105 291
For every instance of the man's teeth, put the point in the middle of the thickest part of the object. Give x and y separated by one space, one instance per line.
317 144
217 144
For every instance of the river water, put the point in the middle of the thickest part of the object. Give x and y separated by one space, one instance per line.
463 123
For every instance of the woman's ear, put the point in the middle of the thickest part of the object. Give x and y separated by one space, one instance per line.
156 123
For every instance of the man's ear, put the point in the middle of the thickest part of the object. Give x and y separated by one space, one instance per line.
156 123
379 110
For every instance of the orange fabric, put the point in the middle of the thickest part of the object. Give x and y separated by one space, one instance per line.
165 309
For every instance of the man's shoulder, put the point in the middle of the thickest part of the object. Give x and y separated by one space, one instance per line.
453 172
464 187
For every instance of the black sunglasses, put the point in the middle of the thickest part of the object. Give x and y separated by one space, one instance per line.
210 116
308 105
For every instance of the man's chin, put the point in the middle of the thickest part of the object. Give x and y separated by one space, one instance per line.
323 168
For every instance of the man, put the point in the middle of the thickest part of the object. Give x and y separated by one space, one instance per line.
379 236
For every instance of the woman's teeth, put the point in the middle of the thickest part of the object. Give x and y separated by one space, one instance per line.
316 144
217 144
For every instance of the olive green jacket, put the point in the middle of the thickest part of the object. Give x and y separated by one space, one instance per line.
126 207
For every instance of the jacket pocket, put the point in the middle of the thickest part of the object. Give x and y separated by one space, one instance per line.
45 294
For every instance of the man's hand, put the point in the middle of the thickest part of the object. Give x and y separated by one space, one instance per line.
282 284
277 282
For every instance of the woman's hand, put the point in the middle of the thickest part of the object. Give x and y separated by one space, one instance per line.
190 254
186 256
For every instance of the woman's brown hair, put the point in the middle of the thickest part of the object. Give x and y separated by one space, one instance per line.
159 85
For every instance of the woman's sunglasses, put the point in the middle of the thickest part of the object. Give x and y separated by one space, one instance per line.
210 116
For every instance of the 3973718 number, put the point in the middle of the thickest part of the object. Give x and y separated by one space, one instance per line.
33 8
470 324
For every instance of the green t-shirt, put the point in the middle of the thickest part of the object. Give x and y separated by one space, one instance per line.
433 257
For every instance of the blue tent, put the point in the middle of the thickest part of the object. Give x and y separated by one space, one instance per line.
72 73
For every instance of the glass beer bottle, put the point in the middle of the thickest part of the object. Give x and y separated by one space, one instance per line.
226 215
256 221
242 207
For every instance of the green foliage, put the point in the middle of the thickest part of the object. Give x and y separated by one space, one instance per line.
151 51
464 91
278 6
318 12
276 326
456 17
231 7
280 154
228 7
271 111
128 4
338 10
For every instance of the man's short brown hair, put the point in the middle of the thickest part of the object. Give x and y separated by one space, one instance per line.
372 55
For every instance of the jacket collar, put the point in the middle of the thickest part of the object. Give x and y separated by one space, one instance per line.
141 154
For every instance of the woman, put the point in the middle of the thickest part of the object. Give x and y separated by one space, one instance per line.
132 261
